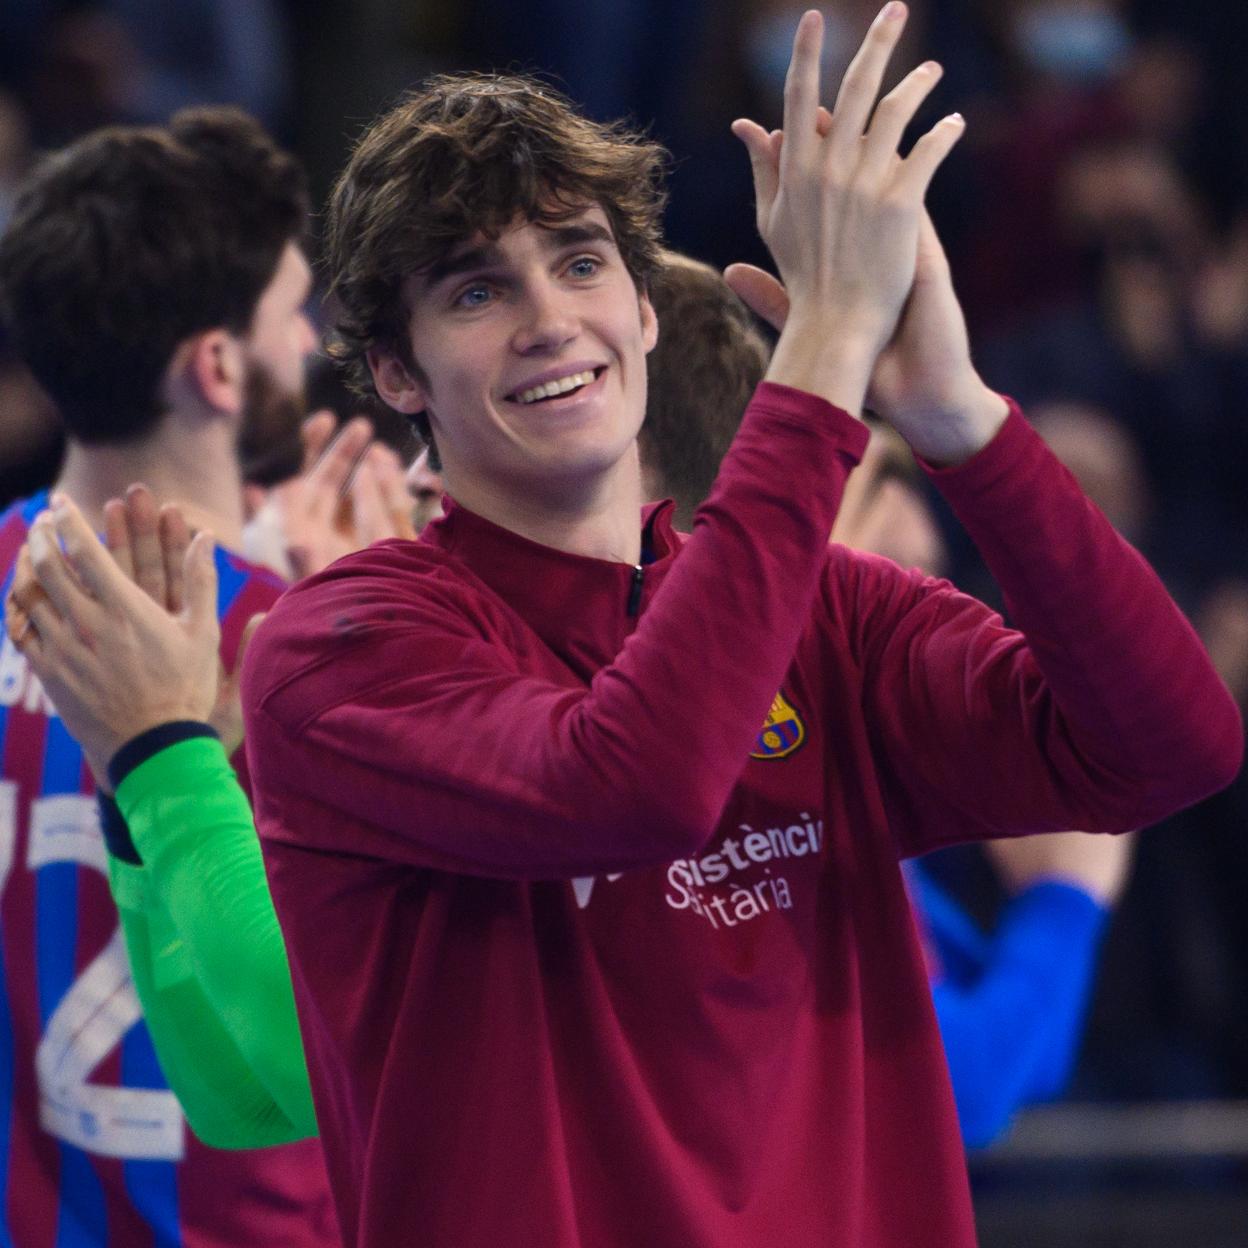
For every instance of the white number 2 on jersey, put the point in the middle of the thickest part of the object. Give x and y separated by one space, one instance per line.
100 1007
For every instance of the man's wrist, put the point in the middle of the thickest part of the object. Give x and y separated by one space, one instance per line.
818 357
959 429
151 741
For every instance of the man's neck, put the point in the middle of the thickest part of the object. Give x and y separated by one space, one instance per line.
600 519
190 464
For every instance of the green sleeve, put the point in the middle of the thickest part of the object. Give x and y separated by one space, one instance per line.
206 951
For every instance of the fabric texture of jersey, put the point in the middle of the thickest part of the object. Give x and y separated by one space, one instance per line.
595 917
94 1148
1010 1002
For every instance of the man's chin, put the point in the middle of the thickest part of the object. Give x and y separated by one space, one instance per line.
271 462
270 445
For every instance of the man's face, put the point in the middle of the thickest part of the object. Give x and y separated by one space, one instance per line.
281 338
532 354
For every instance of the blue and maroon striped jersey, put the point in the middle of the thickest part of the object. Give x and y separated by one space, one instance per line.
94 1149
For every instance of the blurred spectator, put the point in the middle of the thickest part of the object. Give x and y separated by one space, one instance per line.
1160 340
111 61
205 52
15 152
1105 462
32 441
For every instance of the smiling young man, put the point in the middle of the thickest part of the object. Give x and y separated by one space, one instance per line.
584 838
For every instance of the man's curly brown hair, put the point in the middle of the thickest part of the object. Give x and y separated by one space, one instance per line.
468 154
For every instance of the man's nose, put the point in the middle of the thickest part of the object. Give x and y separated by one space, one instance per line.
547 321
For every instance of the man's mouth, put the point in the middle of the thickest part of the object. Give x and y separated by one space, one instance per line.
557 388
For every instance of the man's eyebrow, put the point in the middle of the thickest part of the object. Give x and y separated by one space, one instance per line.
488 255
576 232
463 261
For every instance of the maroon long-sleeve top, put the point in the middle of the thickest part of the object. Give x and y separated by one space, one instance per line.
591 888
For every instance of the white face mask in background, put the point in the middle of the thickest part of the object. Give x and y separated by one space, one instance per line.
1072 41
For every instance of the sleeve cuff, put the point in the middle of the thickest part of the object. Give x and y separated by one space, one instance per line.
116 831
139 749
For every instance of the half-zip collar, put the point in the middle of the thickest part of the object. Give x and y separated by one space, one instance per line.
568 599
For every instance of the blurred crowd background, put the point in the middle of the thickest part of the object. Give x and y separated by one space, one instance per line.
1096 215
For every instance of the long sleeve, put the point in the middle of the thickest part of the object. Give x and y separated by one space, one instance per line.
1099 711
389 692
216 994
1010 1024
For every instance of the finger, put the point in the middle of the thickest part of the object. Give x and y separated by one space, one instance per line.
199 576
22 631
764 164
392 482
333 470
175 538
315 434
249 631
801 89
762 293
85 553
861 85
17 621
117 536
25 590
918 169
142 524
25 582
54 576
895 112
368 504
823 123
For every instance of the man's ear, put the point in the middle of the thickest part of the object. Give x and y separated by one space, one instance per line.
395 384
209 369
649 324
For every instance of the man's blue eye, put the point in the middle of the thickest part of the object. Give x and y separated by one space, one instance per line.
584 267
474 296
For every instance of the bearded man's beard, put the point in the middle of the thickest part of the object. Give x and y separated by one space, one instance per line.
270 448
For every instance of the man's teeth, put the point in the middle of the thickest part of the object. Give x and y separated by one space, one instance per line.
552 388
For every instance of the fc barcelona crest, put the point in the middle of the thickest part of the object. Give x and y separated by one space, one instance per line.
782 731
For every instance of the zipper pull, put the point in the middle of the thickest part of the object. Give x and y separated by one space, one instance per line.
634 589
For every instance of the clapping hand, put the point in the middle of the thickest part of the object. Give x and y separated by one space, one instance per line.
122 641
350 494
896 305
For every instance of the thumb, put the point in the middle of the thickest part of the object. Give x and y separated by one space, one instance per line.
249 631
931 260
763 161
200 576
762 293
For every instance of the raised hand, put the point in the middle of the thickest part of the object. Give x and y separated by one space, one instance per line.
840 210
924 383
113 658
349 495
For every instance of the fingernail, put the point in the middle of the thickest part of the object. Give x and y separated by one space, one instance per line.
892 11
38 540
